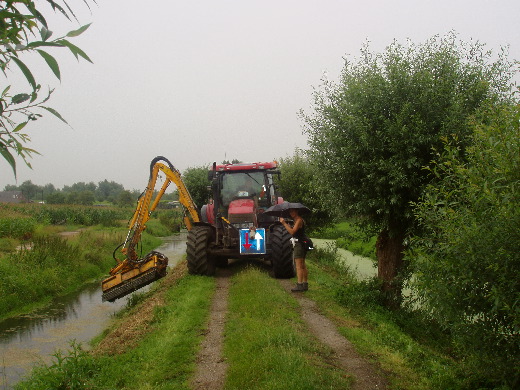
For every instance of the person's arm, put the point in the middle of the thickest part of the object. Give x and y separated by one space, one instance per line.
295 228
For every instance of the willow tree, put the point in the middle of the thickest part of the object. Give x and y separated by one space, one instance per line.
374 131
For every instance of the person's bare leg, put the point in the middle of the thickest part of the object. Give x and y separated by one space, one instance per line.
299 269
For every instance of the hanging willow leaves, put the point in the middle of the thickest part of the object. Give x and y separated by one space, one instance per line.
25 70
74 49
79 31
51 61
55 113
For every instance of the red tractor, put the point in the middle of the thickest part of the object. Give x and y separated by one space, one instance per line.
234 225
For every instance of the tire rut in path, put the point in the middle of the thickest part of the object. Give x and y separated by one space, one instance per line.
210 373
344 356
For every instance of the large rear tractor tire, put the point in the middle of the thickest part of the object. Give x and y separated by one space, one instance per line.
199 261
282 253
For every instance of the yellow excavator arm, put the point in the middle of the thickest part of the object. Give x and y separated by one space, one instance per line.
133 273
173 175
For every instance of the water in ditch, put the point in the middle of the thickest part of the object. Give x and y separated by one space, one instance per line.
29 339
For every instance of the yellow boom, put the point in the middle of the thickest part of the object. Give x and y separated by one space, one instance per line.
132 273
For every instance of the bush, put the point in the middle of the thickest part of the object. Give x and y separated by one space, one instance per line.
20 228
172 219
8 244
466 261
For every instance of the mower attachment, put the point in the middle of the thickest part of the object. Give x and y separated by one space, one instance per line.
129 277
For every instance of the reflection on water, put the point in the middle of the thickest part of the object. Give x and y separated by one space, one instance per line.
363 267
81 316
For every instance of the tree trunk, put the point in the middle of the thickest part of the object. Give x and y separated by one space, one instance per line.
389 252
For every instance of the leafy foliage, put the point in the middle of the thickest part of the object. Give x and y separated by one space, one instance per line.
300 181
77 193
17 227
196 181
125 198
110 191
171 218
373 132
23 30
467 259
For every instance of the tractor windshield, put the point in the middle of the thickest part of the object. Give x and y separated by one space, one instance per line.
242 185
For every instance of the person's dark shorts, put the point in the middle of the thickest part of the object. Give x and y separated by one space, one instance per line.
298 252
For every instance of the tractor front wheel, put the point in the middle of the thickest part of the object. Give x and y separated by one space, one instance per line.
199 261
282 253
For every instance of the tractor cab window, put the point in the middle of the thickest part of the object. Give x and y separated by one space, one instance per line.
242 185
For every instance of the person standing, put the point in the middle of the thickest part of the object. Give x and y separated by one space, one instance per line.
298 233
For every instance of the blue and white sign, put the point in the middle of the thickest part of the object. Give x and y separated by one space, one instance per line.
252 242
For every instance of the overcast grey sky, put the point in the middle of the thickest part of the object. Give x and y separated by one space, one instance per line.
201 81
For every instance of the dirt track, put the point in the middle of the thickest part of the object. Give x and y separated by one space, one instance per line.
211 368
211 365
345 357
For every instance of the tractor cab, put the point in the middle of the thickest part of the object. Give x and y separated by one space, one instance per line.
241 192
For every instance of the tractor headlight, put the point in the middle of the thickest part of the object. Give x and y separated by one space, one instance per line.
243 225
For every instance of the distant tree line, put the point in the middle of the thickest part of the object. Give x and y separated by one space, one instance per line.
80 193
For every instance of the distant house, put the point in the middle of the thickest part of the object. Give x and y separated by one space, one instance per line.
12 197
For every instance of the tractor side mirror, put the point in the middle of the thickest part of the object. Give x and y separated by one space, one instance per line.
212 171
214 185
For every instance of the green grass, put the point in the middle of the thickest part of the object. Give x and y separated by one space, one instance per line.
165 359
412 351
267 345
54 265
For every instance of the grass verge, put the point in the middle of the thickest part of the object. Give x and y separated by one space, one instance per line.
266 343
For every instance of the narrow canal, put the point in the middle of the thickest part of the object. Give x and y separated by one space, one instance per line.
28 339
